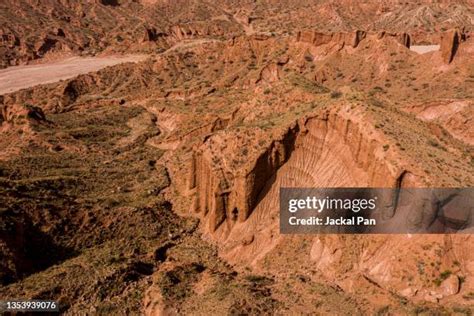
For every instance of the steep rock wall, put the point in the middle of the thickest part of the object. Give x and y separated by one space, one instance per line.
329 149
225 194
341 39
403 38
450 41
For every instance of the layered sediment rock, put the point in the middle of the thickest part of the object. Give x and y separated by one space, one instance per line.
341 39
225 193
351 39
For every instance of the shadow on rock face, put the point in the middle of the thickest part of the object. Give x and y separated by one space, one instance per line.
25 249
110 2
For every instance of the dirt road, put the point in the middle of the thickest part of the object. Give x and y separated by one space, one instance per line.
423 49
20 77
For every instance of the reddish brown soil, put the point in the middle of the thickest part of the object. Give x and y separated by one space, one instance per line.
152 187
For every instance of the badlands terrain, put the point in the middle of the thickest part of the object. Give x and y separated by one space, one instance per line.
143 145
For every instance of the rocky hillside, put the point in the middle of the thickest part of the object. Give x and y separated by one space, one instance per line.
153 187
36 29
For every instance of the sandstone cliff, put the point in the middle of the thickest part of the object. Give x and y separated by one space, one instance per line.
450 42
229 194
340 39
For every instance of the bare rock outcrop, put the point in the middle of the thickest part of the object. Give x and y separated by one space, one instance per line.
340 39
151 34
455 117
225 192
351 39
182 32
228 180
450 41
403 38
270 73
19 114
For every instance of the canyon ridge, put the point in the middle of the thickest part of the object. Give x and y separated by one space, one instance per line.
143 145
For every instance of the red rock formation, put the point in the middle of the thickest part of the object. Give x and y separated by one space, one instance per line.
450 41
269 73
317 39
314 38
149 35
351 39
20 114
402 38
223 193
